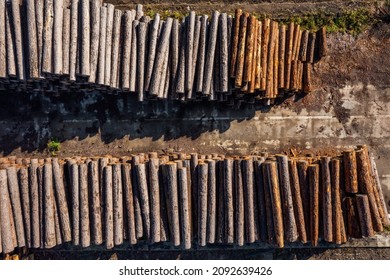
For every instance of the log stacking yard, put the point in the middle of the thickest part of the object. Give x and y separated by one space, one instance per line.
57 46
189 200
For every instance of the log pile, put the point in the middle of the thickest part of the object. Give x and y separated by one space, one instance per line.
189 200
57 46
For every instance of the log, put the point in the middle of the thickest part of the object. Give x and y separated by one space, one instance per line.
95 205
40 203
129 203
313 179
153 37
307 83
220 202
164 229
239 71
350 171
189 52
270 61
180 81
109 31
39 8
165 76
240 203
258 55
202 208
229 203
249 49
185 219
211 201
3 49
17 32
115 59
117 190
140 171
34 202
11 64
85 44
374 170
58 18
336 201
95 30
302 56
224 54
74 12
276 62
290 226
32 44
209 63
57 223
136 196
297 200
49 237
7 225
289 54
353 226
109 208
271 180
47 42
85 234
326 199
305 193
139 11
366 186
75 190
322 44
66 41
311 47
126 50
175 53
154 193
195 50
160 58
62 204
282 55
201 53
172 201
102 46
365 221
235 42
133 56
14 193
25 200
249 199
262 215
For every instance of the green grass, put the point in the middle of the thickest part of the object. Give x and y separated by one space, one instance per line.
53 146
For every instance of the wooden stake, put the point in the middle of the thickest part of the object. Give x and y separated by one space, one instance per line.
313 179
32 51
25 200
154 193
202 53
85 235
184 208
189 51
109 209
117 190
175 53
58 18
249 197
75 190
211 201
133 56
66 40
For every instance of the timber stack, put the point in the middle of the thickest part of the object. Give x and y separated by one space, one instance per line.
55 46
189 200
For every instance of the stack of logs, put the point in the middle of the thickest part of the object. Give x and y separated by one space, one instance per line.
185 200
70 45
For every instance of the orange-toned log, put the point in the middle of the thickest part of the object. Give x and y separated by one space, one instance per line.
235 42
264 52
241 50
350 171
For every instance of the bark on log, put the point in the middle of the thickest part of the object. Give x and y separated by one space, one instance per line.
32 44
240 202
180 81
336 201
314 189
66 41
137 203
290 225
258 55
228 194
249 48
350 171
126 50
184 208
143 196
224 67
17 30
189 51
95 205
282 55
95 30
322 44
270 62
353 226
289 54
109 31
129 203
153 38
102 46
175 53
365 221
49 237
276 62
305 193
326 199
302 56
235 42
85 44
11 64
109 209
117 191
249 199
115 59
58 18
75 190
202 194
73 39
154 193
47 42
239 71
139 11
297 200
133 56
85 234
25 200
7 225
34 202
262 213
220 203
201 53
311 47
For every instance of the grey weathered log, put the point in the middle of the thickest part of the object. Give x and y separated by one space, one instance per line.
326 199
174 56
364 215
85 38
3 49
209 63
180 80
49 234
152 45
160 58
144 196
17 31
39 6
58 18
133 57
239 203
224 63
154 194
271 180
211 201
385 218
34 203
228 200
102 46
220 202
117 197
109 30
47 42
40 203
173 203
57 223
136 197
32 44
201 53
109 208
74 32
314 187
66 41
129 203
115 59
185 219
141 53
85 233
195 51
290 225
25 201
249 198
164 85
297 200
202 208
6 217
305 193
75 191
62 204
189 52
262 212
95 29
95 205
126 50
14 192
11 64
139 11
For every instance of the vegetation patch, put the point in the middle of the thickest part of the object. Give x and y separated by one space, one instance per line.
53 146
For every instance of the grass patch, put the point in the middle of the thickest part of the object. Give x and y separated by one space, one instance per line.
53 146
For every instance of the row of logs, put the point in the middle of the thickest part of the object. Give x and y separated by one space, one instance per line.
62 45
189 200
